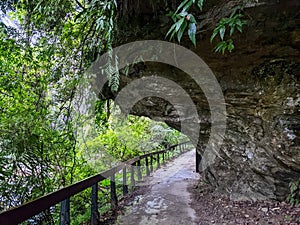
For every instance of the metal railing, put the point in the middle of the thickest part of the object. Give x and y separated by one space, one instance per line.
26 211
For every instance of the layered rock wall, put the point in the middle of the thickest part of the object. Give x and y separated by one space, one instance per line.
260 155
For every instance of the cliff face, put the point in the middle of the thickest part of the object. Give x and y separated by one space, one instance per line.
260 154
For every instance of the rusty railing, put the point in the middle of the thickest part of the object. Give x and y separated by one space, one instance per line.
23 212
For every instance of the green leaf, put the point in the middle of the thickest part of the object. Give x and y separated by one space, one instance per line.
222 32
231 31
230 45
239 23
200 4
179 23
173 30
240 29
221 46
214 34
181 5
191 18
181 31
172 15
183 14
192 33
187 6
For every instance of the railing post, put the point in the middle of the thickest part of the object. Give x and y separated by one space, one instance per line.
94 207
132 181
151 163
168 153
113 192
147 167
65 212
21 213
139 173
125 186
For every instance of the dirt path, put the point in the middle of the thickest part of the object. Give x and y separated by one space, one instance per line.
213 208
167 201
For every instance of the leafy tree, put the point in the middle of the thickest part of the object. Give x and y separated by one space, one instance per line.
127 137
37 144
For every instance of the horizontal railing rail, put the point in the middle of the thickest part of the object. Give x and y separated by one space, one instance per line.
26 211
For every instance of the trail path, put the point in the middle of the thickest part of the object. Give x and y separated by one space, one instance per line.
168 201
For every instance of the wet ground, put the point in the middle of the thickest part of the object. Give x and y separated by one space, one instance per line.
175 195
167 200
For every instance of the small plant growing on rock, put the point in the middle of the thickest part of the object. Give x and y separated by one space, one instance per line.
294 196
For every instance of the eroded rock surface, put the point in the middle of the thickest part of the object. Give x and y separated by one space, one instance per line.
260 82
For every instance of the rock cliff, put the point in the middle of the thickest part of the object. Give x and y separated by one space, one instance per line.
260 154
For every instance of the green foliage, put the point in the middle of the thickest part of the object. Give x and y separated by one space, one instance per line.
294 196
102 114
78 30
182 19
234 22
122 140
125 138
222 46
80 205
24 130
41 65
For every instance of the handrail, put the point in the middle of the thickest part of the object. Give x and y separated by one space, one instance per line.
25 211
